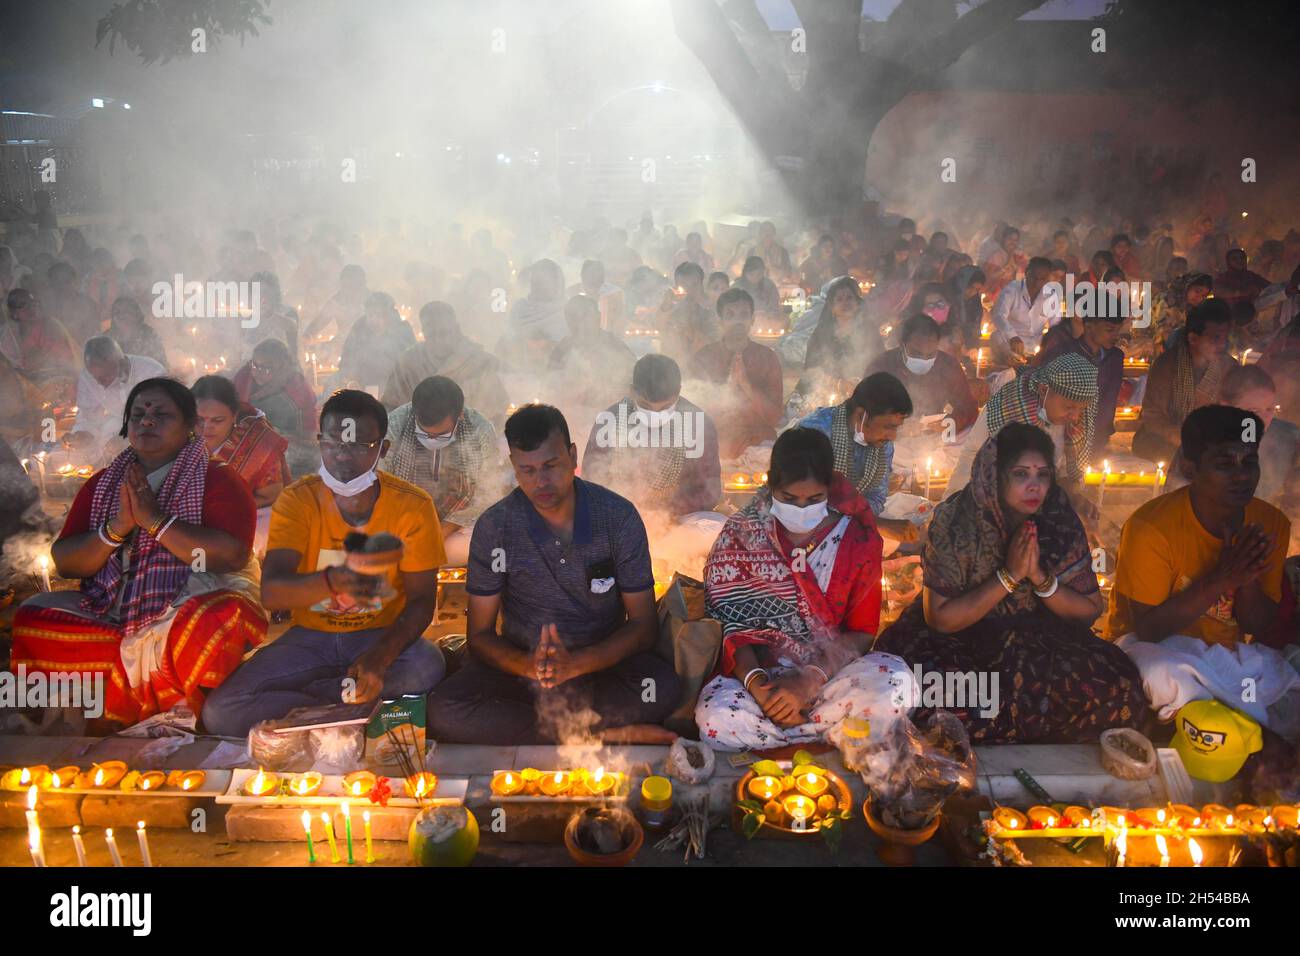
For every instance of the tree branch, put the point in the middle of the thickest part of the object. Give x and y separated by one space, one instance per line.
936 53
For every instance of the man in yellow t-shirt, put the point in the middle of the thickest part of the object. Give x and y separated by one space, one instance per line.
355 637
1199 569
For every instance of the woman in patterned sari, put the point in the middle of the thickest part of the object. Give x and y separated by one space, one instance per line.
237 434
794 578
1010 591
157 627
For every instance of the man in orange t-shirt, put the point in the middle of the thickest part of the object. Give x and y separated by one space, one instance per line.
356 637
1199 569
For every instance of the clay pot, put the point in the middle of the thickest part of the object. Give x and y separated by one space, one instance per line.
898 847
631 830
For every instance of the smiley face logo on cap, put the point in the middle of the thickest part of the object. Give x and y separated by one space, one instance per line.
1204 741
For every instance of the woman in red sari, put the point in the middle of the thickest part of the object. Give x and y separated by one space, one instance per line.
160 625
237 434
794 579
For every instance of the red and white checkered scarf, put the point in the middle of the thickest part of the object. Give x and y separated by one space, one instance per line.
157 576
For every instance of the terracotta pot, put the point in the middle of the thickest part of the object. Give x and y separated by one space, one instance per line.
622 858
898 847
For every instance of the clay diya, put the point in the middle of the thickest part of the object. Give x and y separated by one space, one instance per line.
1007 818
1217 816
421 785
20 778
1042 818
555 784
599 782
764 788
1286 817
1250 818
507 783
101 776
64 777
306 784
188 779
261 784
1076 817
151 780
359 783
811 784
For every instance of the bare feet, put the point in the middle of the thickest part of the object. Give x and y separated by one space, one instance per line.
638 734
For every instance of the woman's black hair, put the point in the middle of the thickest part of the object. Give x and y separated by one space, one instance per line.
174 390
1016 438
842 282
801 453
216 388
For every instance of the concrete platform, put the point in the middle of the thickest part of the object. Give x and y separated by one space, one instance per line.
1068 772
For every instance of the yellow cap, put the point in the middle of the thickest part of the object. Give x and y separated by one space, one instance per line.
1214 740
656 792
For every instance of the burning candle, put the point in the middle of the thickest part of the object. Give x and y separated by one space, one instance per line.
554 784
329 835
929 474
507 784
1194 849
800 808
44 562
979 363
1160 479
140 835
884 591
34 829
79 846
370 847
1009 819
1101 486
764 788
347 829
112 847
1121 847
1163 847
601 782
306 825
811 784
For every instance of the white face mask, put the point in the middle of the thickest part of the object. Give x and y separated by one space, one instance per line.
656 419
431 442
799 520
349 489
917 366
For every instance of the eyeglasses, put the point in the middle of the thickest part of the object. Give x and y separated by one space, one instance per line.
1210 738
262 367
337 447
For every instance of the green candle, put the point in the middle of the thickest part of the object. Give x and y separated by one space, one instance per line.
347 826
306 825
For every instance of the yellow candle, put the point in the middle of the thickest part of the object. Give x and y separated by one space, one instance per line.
370 847
811 784
764 788
329 835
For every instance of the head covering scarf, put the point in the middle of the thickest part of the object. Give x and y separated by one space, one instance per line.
1070 375
968 538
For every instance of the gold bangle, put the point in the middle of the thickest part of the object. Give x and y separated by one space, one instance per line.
111 534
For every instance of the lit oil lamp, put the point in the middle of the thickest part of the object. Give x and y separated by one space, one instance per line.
1076 817
20 778
1010 819
358 783
64 777
506 783
103 775
764 788
1185 816
1217 816
1149 818
151 780
557 783
800 808
421 785
1042 818
600 782
811 784
261 784
306 784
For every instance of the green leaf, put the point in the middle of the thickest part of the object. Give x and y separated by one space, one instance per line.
802 757
750 806
833 833
767 768
805 768
752 823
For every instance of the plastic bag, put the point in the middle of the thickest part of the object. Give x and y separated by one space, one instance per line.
1127 754
690 761
337 749
277 751
910 771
